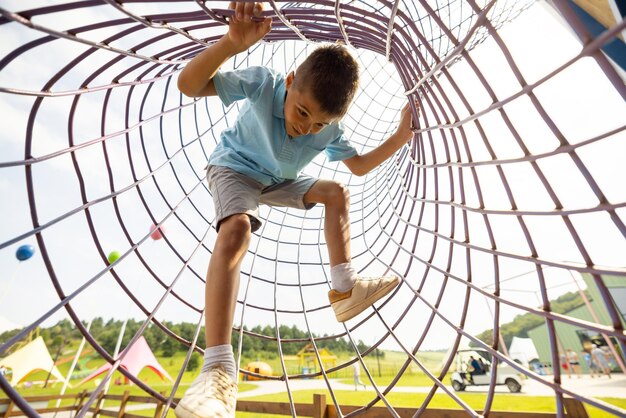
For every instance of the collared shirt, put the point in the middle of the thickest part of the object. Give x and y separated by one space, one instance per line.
257 145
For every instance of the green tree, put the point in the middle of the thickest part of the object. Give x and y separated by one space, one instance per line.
169 347
194 362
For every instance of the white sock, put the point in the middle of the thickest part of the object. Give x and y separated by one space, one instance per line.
223 355
343 276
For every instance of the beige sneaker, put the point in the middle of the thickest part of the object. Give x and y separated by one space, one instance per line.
365 292
212 395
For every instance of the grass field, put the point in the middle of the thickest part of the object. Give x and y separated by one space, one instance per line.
502 402
383 370
385 366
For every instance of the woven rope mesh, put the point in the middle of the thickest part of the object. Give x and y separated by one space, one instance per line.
506 198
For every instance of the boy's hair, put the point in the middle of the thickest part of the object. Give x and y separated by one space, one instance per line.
331 75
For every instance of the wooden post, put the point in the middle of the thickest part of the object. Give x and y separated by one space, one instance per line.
574 408
79 399
319 405
123 403
10 406
159 407
96 411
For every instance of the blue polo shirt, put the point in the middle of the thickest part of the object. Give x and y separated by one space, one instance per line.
257 145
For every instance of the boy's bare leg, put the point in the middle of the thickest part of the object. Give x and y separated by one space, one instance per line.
349 295
214 392
336 200
222 280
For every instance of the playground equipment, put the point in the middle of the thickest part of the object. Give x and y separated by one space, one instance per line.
505 195
259 368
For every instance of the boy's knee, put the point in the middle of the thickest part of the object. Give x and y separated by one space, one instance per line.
339 194
236 230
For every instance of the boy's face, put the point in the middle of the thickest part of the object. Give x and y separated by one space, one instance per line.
303 115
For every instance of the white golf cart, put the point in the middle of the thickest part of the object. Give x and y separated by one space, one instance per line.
460 377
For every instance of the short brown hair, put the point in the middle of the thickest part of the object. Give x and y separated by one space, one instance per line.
331 75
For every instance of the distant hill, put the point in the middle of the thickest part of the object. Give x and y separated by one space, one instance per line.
521 324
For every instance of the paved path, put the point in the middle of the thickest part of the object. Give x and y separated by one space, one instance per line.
598 387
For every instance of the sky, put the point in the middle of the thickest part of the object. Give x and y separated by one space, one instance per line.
580 101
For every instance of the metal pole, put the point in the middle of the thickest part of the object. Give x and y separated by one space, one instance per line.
69 373
500 339
56 357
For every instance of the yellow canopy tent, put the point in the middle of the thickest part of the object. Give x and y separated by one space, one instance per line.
32 357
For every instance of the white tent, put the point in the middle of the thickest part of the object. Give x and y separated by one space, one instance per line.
523 350
33 356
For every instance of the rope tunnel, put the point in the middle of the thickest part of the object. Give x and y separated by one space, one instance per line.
508 196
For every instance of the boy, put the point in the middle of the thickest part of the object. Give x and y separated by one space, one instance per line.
284 123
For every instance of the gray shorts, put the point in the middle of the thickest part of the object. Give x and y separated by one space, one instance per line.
235 193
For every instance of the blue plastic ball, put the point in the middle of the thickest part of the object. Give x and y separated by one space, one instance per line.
25 252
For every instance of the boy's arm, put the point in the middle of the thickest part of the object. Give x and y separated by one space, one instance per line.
363 164
196 79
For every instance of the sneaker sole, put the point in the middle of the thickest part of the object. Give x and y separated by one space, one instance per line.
366 303
182 412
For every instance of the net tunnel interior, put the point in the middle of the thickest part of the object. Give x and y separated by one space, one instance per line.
506 198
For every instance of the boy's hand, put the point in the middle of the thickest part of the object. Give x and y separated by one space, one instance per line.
363 164
404 130
243 31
